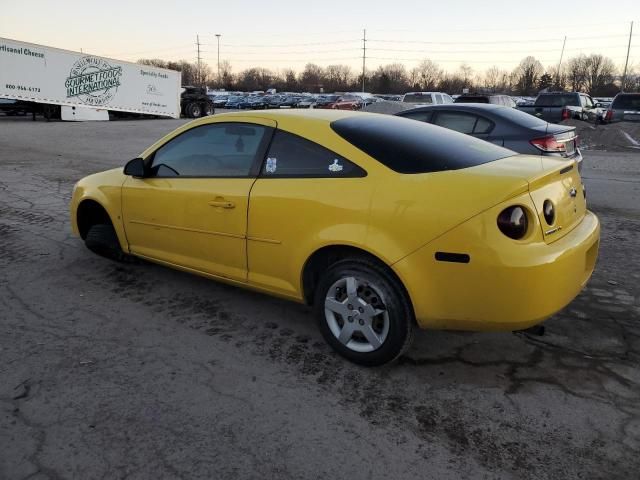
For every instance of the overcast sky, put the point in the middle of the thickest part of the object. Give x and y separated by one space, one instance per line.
290 33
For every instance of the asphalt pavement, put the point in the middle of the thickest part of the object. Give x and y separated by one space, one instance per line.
142 372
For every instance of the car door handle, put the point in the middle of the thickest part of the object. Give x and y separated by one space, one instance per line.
222 203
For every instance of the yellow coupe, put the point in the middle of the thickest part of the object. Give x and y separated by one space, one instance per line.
382 223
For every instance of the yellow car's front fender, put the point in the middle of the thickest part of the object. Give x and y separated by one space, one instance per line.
104 189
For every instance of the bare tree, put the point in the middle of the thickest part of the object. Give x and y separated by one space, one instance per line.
491 78
337 78
427 75
312 77
632 81
599 72
226 75
577 73
453 83
527 74
559 79
466 74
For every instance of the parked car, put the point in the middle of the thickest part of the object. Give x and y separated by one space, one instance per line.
308 102
256 103
275 100
426 98
195 103
236 102
406 223
343 102
220 101
289 101
505 126
504 100
558 106
326 100
625 107
603 102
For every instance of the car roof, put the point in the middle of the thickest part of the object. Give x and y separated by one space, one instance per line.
320 115
457 106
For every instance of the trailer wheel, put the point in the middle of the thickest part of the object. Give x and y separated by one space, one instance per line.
193 110
51 112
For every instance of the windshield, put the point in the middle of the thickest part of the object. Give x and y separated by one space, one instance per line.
558 100
407 146
417 98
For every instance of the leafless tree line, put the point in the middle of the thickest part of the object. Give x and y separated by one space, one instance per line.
595 74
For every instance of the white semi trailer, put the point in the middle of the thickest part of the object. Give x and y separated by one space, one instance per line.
85 86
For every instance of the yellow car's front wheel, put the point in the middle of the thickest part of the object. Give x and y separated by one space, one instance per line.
363 312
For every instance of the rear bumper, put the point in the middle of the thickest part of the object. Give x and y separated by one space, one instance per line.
507 285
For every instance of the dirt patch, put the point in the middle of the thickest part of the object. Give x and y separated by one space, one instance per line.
616 137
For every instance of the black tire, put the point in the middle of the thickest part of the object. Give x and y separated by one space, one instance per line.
395 302
103 240
193 110
207 109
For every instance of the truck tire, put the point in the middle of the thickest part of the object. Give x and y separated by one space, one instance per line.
193 110
51 112
207 109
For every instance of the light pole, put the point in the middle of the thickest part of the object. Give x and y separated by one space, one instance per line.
218 37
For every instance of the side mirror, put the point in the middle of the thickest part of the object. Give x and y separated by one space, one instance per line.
135 168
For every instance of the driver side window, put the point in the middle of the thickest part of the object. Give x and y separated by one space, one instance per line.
214 150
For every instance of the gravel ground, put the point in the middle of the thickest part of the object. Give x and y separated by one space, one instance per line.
618 137
139 371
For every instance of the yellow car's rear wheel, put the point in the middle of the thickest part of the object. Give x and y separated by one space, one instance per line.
363 313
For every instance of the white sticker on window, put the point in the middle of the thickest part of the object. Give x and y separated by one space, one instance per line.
335 166
272 164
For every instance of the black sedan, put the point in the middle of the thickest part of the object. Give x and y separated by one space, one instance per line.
505 126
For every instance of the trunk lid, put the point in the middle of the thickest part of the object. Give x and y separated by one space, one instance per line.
549 178
562 186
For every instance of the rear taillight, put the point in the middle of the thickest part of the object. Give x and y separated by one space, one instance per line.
566 115
608 116
548 144
513 222
549 212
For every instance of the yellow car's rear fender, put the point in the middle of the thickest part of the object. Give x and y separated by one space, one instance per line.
501 284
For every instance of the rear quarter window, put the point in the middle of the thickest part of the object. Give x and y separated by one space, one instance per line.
422 115
407 146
